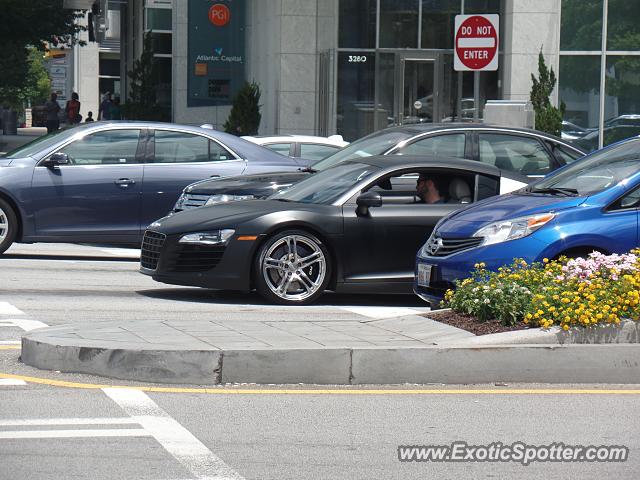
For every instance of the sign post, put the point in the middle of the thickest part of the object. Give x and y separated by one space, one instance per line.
476 43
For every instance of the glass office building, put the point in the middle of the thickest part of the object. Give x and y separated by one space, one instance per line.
356 66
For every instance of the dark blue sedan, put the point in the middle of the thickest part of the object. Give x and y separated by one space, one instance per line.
105 182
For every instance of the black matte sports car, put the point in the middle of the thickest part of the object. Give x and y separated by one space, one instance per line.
355 227
519 150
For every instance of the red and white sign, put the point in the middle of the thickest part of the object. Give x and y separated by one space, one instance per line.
476 42
219 15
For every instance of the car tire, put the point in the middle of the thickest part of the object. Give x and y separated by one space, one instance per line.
292 267
8 225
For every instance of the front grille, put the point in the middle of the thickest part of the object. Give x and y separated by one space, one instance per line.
449 246
192 200
151 246
195 258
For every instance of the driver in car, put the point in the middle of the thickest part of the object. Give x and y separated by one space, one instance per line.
429 188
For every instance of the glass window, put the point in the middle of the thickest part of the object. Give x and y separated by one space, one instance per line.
630 200
438 22
445 145
600 170
356 88
516 154
104 148
161 42
398 23
357 24
327 186
623 28
39 144
159 19
579 87
581 25
622 98
565 155
180 147
377 143
315 152
281 148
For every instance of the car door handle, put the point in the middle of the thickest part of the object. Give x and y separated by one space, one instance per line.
214 176
124 182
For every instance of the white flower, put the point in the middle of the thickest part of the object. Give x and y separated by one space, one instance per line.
486 300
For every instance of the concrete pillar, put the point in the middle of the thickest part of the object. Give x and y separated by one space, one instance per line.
529 25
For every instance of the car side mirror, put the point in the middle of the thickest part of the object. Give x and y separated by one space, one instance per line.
366 201
56 159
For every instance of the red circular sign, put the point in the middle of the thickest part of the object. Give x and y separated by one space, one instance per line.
219 15
476 42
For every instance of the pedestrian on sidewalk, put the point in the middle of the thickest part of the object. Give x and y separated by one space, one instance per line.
89 118
104 111
52 108
115 111
72 109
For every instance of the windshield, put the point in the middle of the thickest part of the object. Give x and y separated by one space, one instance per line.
327 186
40 143
375 144
595 172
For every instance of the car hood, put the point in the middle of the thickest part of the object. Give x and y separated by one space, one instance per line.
467 221
224 215
258 185
4 162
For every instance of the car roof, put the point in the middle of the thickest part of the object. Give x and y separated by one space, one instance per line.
437 161
297 138
418 128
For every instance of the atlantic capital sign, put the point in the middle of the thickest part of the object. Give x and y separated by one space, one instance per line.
216 51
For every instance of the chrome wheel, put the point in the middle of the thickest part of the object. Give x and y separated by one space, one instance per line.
294 268
4 225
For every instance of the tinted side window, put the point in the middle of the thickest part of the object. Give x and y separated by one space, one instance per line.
312 151
630 200
281 148
516 154
565 155
181 147
104 148
451 145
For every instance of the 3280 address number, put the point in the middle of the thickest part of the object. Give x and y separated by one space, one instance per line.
357 58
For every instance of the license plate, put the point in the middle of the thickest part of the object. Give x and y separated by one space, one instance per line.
424 274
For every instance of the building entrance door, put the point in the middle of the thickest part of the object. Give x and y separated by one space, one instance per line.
417 88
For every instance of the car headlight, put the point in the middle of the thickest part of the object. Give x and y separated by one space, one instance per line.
216 237
213 199
512 229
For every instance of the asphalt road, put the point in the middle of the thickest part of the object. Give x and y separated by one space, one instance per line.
55 426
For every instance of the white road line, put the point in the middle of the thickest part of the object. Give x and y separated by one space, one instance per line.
384 312
4 382
7 309
117 432
23 323
67 421
176 439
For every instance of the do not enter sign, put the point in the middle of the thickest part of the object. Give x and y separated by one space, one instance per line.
476 42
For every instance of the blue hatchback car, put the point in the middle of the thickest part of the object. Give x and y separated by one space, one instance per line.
592 204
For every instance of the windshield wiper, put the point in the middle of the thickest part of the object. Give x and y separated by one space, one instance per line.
567 192
282 200
308 170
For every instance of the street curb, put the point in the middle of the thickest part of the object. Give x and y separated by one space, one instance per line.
616 363
627 331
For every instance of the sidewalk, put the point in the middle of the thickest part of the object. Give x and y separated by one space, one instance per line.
406 349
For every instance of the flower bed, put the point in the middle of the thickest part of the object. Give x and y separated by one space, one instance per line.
598 289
